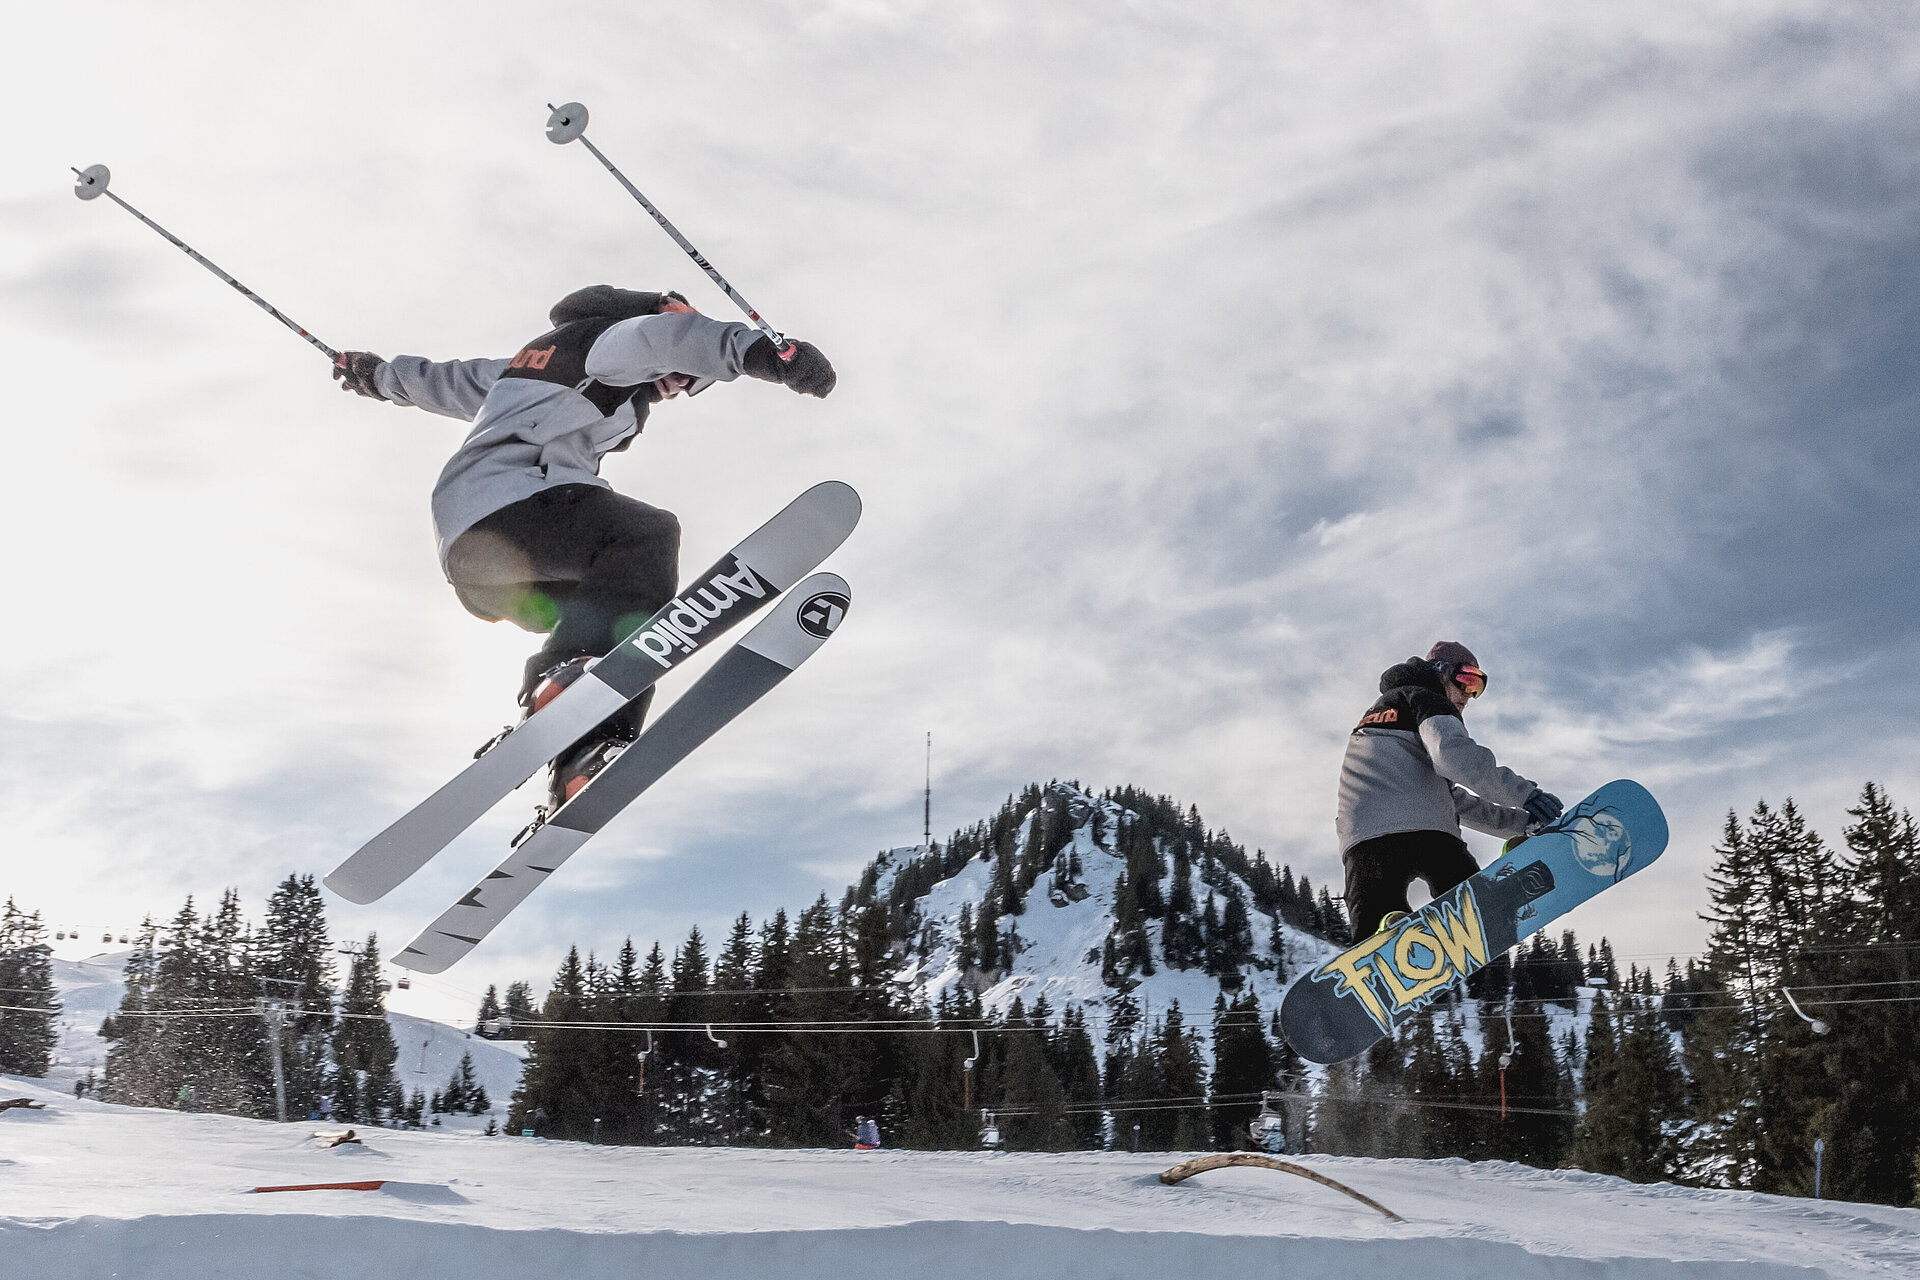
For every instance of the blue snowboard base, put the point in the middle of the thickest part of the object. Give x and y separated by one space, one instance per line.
1336 1011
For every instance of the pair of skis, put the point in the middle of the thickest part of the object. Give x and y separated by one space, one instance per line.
768 564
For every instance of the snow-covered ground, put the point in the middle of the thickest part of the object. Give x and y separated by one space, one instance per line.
90 1191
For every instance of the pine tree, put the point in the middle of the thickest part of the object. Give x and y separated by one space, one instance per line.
558 1095
364 1052
489 1014
1243 1066
519 1009
1034 1106
937 1116
684 1061
463 1089
967 950
1633 1090
28 1028
736 1093
293 949
1078 1069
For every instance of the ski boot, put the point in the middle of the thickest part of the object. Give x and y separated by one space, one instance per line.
575 767
545 688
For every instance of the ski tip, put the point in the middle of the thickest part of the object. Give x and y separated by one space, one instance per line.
838 496
348 889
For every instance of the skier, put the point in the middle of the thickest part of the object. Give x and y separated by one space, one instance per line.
528 530
866 1134
1412 775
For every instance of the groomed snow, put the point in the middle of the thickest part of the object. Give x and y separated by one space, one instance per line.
90 1191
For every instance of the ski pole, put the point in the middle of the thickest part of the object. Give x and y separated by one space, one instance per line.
91 183
568 122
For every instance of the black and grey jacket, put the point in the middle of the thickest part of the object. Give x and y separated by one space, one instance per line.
1411 766
547 416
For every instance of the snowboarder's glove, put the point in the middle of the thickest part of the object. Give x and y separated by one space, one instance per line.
354 370
805 371
1542 808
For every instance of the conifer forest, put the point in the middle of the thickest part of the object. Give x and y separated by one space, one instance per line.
1796 1023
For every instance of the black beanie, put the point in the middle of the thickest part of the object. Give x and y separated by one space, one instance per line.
1451 655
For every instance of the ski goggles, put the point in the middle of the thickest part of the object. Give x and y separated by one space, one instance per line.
1472 679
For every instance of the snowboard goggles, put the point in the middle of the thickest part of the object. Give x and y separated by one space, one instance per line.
1472 679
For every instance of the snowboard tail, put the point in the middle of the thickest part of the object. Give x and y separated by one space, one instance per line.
765 656
1337 1010
743 581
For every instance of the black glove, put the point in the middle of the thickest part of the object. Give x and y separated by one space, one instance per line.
805 370
354 370
1543 807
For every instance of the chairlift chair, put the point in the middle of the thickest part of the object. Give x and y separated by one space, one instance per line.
990 1133
1268 1129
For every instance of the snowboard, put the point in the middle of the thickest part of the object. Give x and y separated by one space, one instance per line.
763 564
1337 1010
765 656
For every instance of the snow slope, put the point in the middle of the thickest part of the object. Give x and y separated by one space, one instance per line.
91 1191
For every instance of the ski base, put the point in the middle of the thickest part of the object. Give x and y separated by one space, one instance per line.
765 656
764 564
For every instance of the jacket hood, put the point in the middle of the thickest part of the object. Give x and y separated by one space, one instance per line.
1415 672
605 302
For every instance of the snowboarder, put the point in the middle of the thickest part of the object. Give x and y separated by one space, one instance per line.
1412 776
528 531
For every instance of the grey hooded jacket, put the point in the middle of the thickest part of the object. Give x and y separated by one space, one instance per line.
548 416
1412 766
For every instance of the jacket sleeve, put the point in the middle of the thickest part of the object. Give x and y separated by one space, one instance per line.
1486 817
1465 763
452 388
648 347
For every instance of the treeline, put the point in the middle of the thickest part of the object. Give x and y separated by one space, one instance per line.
1797 1024
206 998
1181 877
208 995
795 1029
1708 1075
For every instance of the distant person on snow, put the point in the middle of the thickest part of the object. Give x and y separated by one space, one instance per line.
866 1134
1412 775
528 531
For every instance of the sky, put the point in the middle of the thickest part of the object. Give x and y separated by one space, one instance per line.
1195 366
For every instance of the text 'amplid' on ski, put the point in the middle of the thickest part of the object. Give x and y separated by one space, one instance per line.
760 567
765 656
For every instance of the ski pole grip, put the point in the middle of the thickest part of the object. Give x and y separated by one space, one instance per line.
788 351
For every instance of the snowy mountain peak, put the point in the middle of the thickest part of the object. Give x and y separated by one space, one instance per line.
1085 899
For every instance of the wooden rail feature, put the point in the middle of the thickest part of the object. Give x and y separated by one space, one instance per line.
1224 1160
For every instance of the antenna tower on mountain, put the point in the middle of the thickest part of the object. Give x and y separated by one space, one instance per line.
926 838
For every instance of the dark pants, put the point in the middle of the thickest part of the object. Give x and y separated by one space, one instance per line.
582 563
1380 870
